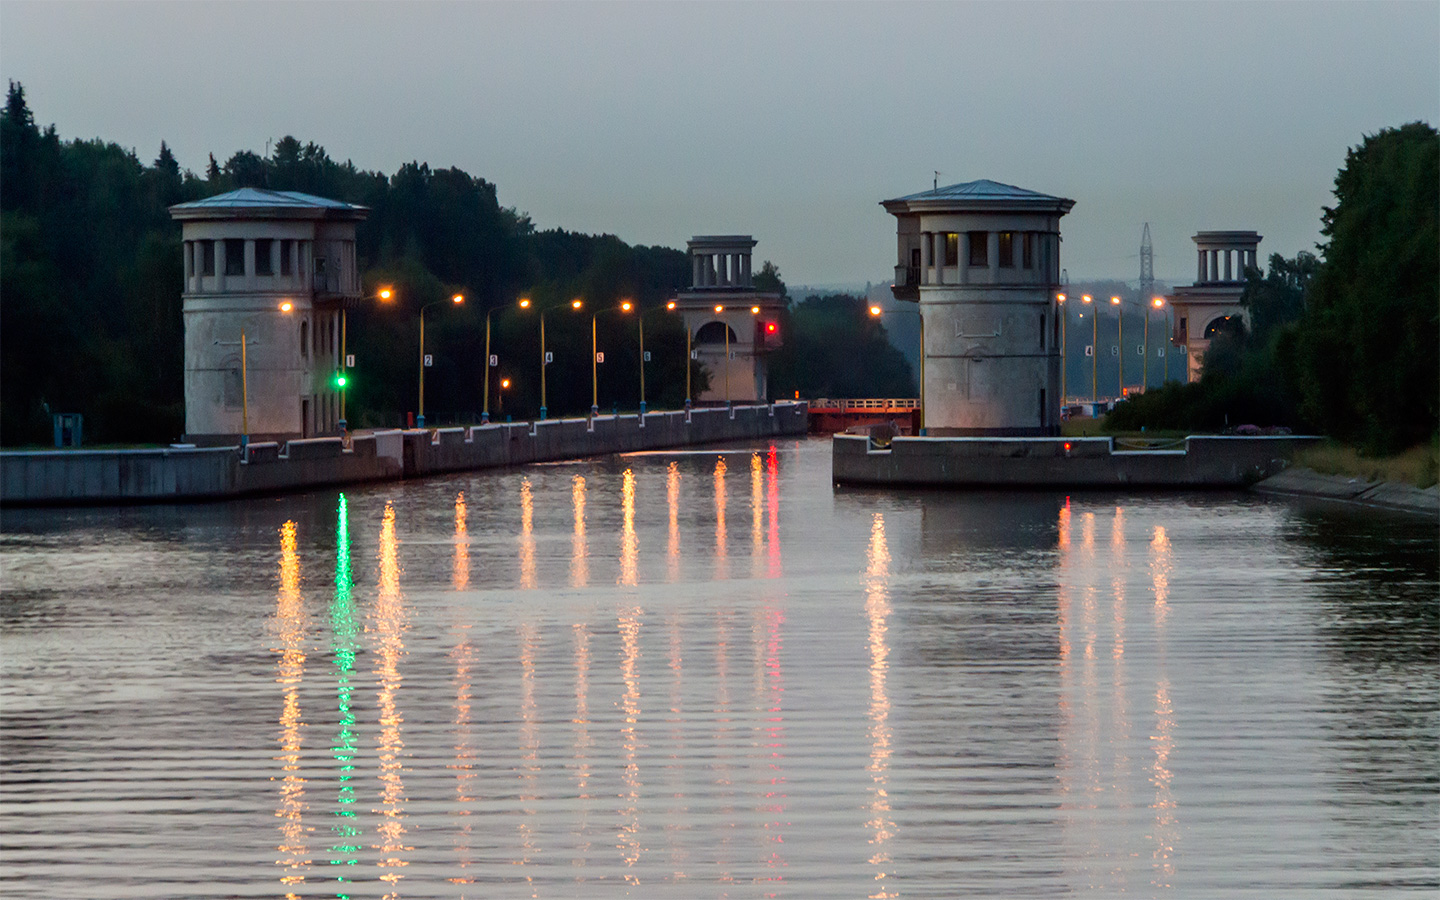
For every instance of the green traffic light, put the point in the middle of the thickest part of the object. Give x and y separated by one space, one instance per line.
339 379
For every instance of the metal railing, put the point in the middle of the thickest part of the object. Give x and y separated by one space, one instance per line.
825 404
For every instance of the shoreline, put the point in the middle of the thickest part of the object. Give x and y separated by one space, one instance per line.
1301 483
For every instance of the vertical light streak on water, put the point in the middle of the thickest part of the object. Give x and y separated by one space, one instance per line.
290 670
629 540
527 535
1066 626
1087 703
757 514
342 641
1167 829
579 552
772 506
672 497
529 770
722 564
628 837
580 637
777 796
465 763
1119 736
389 619
460 574
877 611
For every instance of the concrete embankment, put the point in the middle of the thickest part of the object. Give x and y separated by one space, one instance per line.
1308 484
1204 462
84 477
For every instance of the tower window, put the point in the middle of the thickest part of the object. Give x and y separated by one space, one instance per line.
262 256
234 257
285 266
952 249
1006 251
979 241
207 257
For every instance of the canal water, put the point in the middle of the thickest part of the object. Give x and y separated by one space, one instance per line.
712 674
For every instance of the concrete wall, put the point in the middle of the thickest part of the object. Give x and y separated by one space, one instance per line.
80 477
1214 461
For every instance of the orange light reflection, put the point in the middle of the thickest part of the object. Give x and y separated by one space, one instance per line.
389 621
290 670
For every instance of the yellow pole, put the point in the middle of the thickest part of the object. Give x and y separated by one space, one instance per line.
640 318
485 404
1145 369
244 390
922 370
342 362
688 351
727 362
1095 354
420 418
1063 388
542 364
1120 339
594 369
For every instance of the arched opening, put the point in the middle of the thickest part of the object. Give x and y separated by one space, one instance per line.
1225 325
714 333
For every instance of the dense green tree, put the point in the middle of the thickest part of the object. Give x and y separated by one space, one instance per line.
833 347
1367 353
768 279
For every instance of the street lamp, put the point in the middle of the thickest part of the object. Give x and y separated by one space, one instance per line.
485 411
1120 350
670 307
1094 351
1157 303
500 396
754 311
384 295
285 307
457 299
1060 298
877 311
526 304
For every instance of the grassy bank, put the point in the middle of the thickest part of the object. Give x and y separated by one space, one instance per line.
1419 466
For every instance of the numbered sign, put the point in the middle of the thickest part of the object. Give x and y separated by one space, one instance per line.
694 354
1089 349
494 360
647 356
732 354
600 356
1114 350
1160 352
429 360
549 357
1139 349
349 360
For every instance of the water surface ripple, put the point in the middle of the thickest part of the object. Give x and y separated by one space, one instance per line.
713 675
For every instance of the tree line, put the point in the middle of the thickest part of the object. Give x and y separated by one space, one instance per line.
91 277
1346 342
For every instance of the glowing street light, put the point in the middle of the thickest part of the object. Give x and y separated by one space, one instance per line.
1060 299
384 295
877 311
456 299
1156 303
1094 351
1120 350
525 303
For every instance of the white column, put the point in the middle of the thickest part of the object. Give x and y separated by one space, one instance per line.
1199 266
745 270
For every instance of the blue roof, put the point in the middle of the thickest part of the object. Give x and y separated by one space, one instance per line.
259 198
982 189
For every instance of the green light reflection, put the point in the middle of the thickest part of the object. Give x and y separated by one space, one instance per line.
343 630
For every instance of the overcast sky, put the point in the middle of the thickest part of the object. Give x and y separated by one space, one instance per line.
788 121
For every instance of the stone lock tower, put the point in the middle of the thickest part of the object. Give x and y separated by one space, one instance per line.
723 309
275 267
982 262
1213 301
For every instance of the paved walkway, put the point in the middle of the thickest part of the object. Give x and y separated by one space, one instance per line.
1301 482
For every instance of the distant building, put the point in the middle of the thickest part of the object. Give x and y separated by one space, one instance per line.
1213 302
723 309
982 261
248 253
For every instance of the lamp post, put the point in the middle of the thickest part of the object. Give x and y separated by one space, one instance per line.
457 299
500 396
877 312
285 307
670 307
384 295
754 311
1094 351
1120 348
1060 299
1157 303
485 404
525 304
